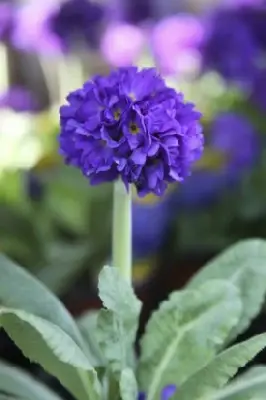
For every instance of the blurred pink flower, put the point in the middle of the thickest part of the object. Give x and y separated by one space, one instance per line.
175 43
121 44
32 30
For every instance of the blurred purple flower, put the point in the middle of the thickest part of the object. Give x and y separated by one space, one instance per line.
258 94
254 16
132 11
234 137
166 394
32 30
229 46
78 22
175 43
237 3
121 44
6 19
149 226
19 99
47 27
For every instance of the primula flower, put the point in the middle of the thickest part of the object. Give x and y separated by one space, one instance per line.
229 46
19 99
234 137
132 11
131 125
258 94
166 394
77 22
121 44
6 19
32 30
47 27
175 43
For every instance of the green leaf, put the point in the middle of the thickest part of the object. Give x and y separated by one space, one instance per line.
21 386
87 324
251 385
244 265
22 292
118 323
65 262
185 333
128 385
215 375
48 345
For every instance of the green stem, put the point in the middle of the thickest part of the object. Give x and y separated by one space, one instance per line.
113 387
122 238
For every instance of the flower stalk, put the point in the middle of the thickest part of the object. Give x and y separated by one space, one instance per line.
122 230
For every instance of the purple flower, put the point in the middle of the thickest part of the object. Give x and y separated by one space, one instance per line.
254 16
166 394
229 46
200 189
47 27
32 30
235 139
258 94
19 99
176 41
131 125
6 19
77 22
237 3
121 44
132 11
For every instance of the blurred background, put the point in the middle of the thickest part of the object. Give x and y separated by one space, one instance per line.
56 225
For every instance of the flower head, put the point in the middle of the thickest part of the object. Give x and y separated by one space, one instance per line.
131 125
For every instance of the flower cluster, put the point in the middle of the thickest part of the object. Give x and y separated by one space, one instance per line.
50 28
229 48
131 125
235 42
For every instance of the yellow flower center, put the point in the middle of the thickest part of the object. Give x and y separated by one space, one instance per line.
134 129
117 114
